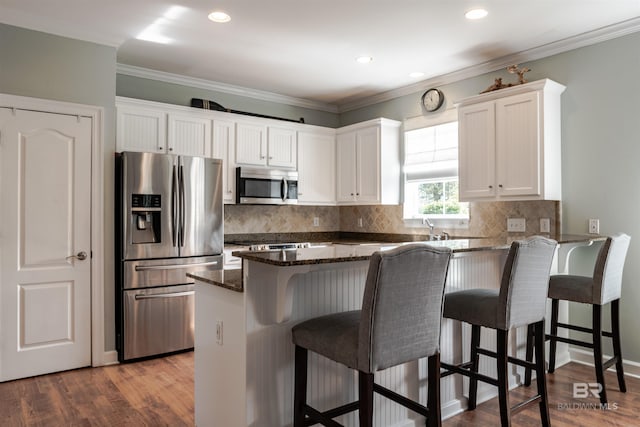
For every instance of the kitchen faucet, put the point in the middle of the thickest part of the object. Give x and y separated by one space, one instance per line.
425 221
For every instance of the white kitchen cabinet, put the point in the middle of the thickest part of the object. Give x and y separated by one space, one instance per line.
261 145
141 129
224 143
158 128
368 163
317 167
282 147
188 135
251 144
509 144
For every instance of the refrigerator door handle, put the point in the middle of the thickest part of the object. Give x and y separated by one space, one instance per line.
174 206
173 266
165 295
182 206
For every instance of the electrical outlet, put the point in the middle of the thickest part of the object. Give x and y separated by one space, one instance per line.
545 225
516 225
360 222
219 332
594 226
316 221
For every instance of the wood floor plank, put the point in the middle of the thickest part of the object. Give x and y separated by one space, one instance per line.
159 392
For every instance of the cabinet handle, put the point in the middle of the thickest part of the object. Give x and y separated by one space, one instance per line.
270 157
262 157
352 194
491 186
500 185
357 194
160 148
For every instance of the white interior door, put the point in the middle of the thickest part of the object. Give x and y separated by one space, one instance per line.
45 228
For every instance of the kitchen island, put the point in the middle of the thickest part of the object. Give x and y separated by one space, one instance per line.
243 349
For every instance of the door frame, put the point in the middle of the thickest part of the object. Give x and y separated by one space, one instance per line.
96 113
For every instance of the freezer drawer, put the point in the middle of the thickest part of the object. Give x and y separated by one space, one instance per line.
168 271
158 320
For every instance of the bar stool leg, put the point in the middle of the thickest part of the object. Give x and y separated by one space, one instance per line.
529 355
433 395
300 386
365 396
540 373
503 379
475 360
617 349
597 350
553 334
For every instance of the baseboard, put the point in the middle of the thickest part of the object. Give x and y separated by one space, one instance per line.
110 358
585 357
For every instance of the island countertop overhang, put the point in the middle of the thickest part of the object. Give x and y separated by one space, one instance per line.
361 251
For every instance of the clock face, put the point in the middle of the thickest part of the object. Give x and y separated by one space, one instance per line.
432 99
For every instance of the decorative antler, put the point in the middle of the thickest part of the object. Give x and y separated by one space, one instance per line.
513 69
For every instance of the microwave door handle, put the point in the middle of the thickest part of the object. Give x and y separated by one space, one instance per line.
285 189
174 206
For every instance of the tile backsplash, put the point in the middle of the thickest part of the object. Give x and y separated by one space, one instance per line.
487 219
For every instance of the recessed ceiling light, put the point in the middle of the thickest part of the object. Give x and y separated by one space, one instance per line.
219 16
364 59
476 14
416 74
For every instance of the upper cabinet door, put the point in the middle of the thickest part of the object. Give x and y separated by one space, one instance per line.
316 168
141 129
282 148
518 150
368 165
346 167
476 151
189 136
224 143
251 147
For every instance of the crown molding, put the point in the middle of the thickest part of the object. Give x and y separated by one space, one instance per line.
585 39
147 73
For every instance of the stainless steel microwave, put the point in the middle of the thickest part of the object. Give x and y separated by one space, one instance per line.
266 186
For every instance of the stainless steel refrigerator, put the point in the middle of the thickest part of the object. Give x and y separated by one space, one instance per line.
169 221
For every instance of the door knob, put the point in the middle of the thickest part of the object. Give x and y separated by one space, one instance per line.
80 256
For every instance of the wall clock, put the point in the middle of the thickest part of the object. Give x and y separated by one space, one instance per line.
432 99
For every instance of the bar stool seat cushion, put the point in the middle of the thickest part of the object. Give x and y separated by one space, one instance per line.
334 336
473 306
571 288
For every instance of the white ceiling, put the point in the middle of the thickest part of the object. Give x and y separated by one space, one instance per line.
306 49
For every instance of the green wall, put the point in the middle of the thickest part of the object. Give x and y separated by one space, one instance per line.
600 152
41 65
171 93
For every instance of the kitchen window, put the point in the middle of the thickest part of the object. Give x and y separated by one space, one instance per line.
431 172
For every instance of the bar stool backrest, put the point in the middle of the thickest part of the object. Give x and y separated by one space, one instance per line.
402 306
525 282
607 273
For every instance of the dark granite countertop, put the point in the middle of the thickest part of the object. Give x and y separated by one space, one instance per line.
353 248
346 250
229 279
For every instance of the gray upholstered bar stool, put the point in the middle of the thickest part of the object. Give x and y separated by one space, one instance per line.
520 301
399 322
603 287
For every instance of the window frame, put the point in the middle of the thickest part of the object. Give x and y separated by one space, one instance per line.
458 221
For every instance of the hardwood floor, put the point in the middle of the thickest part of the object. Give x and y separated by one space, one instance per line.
159 392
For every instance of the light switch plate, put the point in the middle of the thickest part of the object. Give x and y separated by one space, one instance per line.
545 225
516 225
594 226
